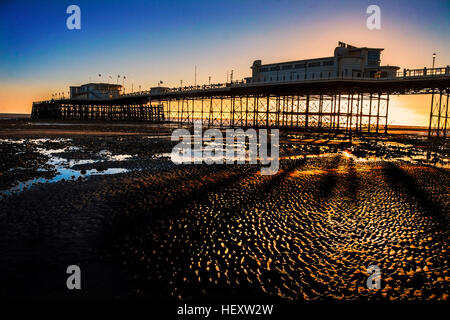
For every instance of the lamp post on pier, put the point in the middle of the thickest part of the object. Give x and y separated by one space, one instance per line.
434 58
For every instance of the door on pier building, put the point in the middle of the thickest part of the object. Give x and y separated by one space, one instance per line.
356 73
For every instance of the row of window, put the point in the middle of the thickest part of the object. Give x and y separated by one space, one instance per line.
293 75
297 76
297 66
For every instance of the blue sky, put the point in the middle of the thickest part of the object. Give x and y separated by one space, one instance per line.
34 36
150 41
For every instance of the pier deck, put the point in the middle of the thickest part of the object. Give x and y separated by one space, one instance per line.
339 103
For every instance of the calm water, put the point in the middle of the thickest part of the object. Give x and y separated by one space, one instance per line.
63 166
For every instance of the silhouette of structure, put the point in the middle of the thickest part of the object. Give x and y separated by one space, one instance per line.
347 61
332 101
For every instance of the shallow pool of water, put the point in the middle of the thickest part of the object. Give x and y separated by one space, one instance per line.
63 166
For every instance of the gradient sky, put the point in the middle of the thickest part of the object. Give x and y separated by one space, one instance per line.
148 41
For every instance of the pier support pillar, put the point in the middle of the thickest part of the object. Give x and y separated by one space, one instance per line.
439 115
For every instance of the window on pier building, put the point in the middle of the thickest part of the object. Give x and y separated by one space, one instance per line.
300 65
314 64
328 63
373 57
286 67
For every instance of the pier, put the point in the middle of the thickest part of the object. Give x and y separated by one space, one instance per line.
336 103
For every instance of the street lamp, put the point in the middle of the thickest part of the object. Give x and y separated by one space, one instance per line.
434 58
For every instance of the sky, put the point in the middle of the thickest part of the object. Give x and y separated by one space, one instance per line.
152 41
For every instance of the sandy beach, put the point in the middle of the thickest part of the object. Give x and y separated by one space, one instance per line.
107 197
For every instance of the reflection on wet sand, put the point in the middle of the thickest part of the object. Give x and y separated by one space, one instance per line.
295 235
159 230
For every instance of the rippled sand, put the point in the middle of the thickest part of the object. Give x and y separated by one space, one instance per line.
198 231
309 232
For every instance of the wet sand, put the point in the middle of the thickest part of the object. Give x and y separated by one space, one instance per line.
163 231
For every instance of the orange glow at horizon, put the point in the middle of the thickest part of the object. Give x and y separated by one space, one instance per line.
289 42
